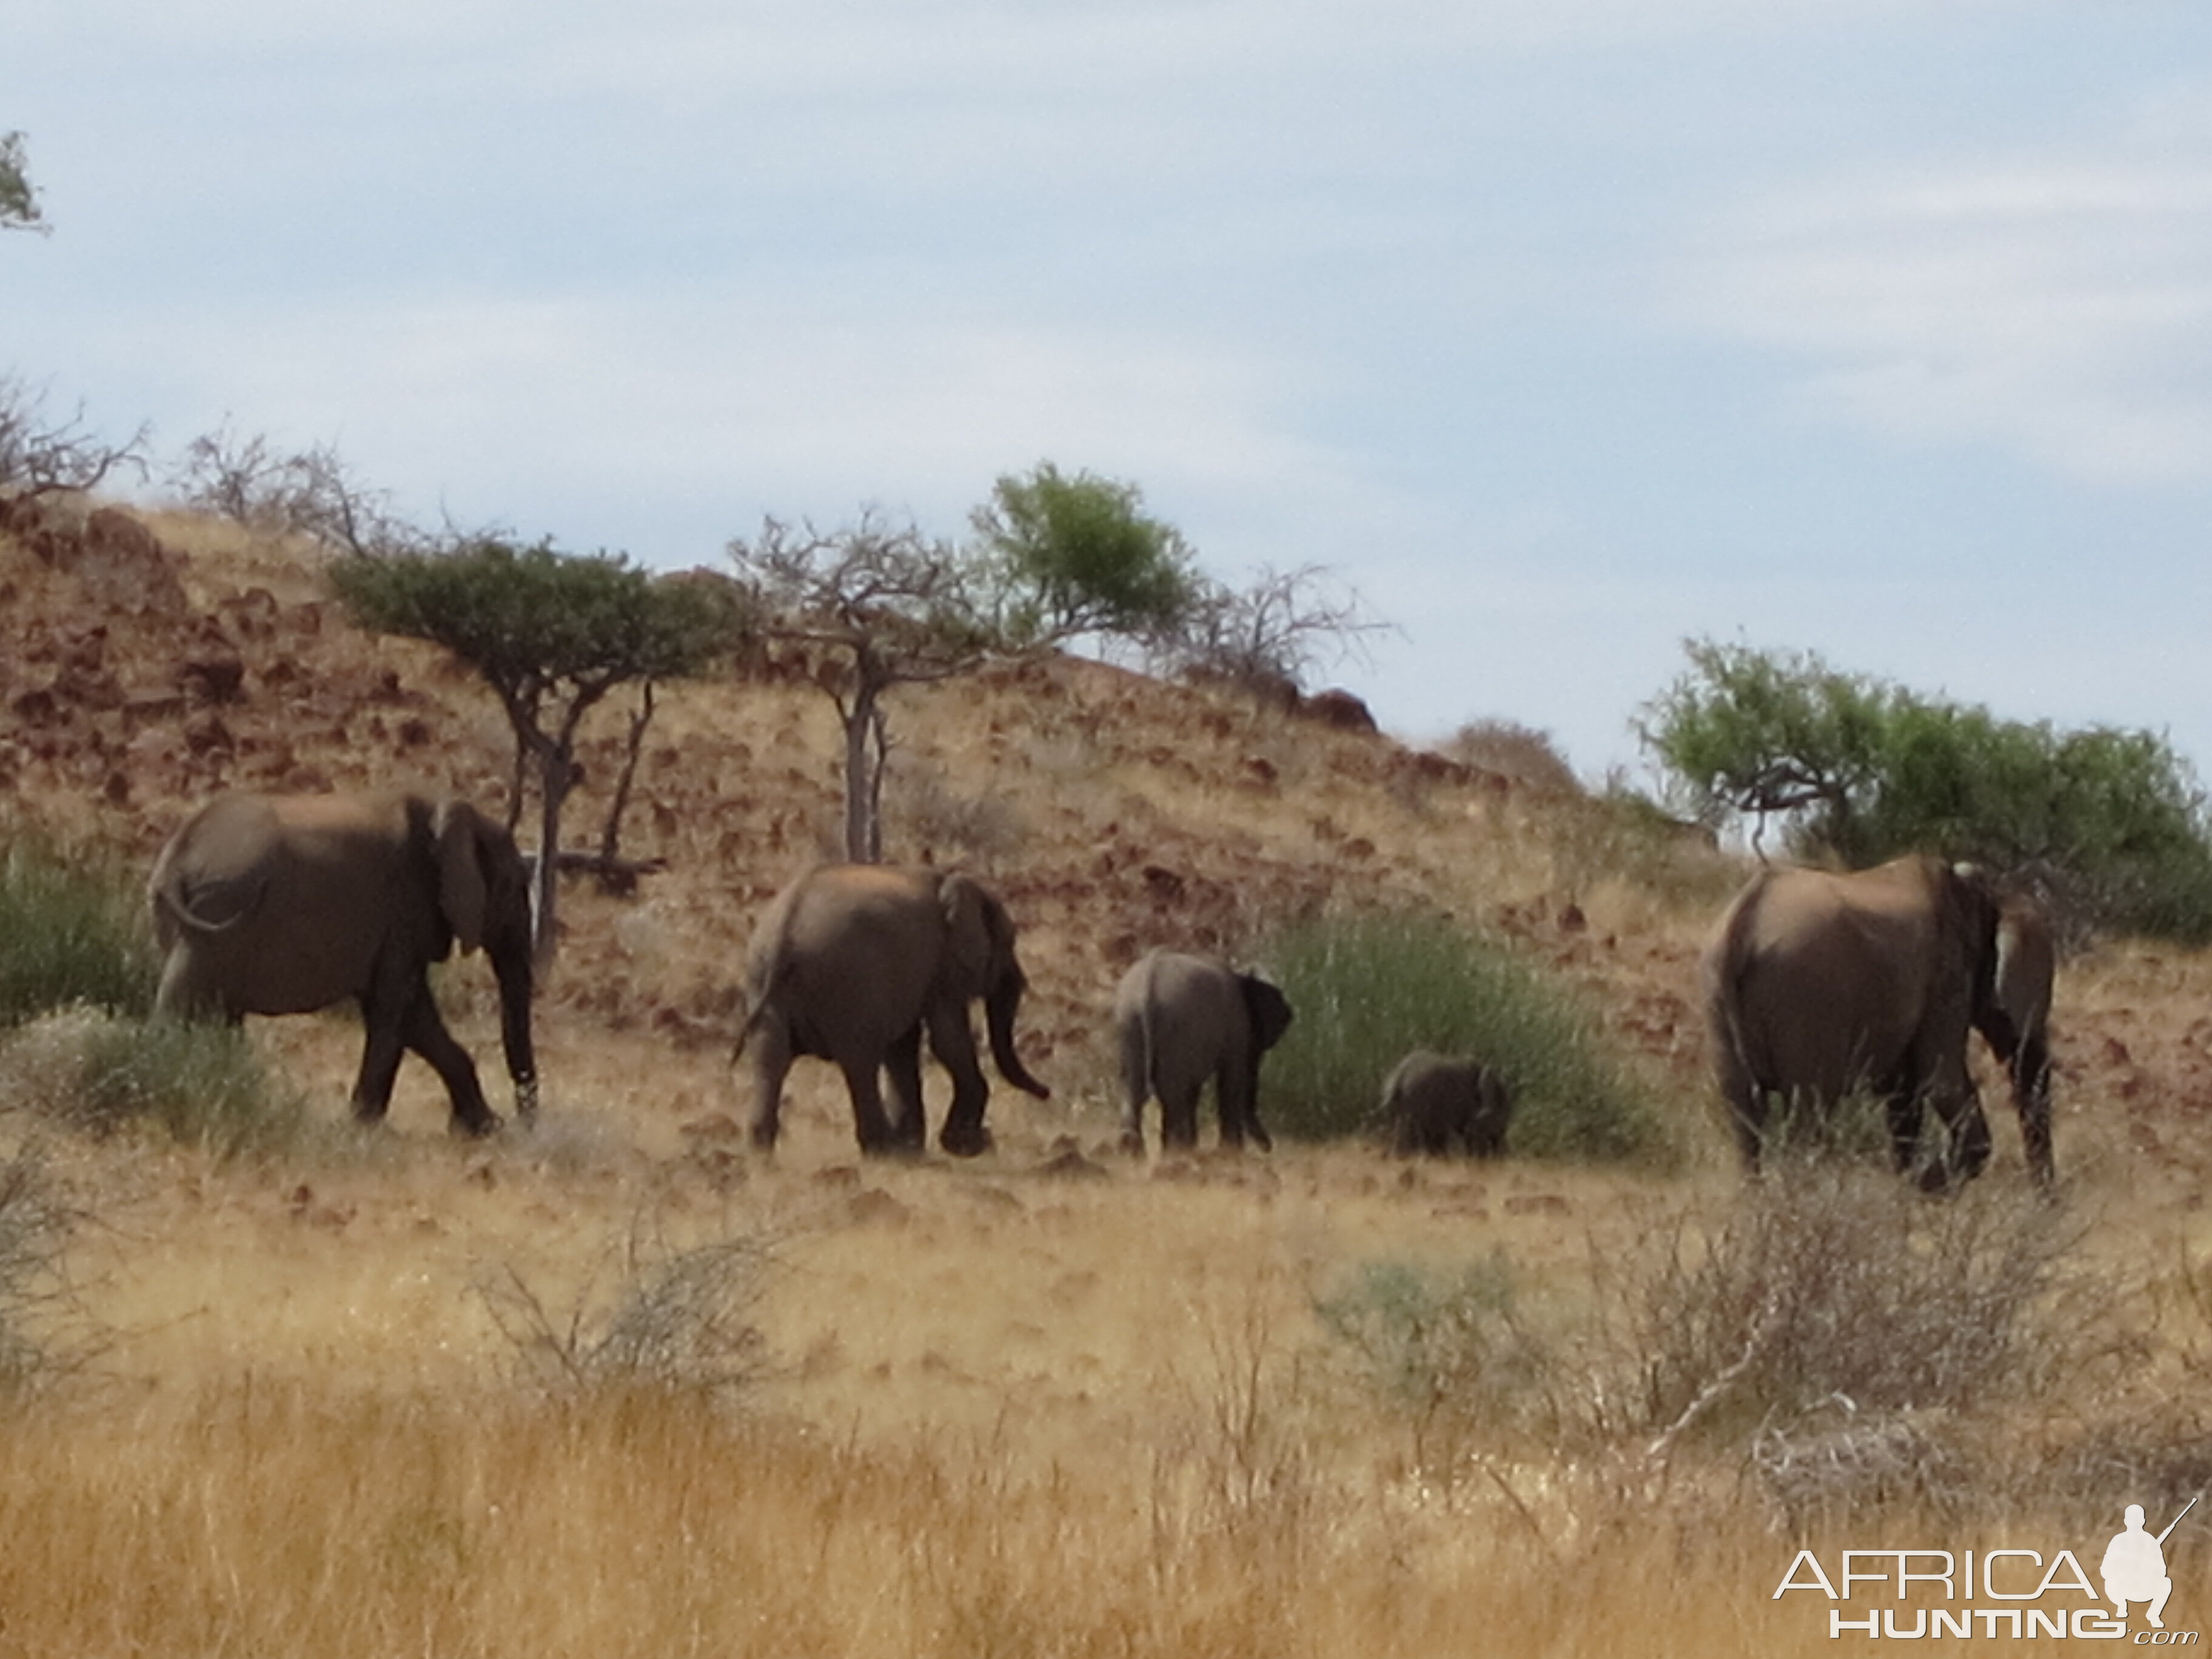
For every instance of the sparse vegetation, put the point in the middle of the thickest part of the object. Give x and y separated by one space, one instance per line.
40 455
70 933
201 1084
19 198
1368 989
668 1318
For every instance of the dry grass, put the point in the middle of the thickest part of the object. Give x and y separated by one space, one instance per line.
1051 1402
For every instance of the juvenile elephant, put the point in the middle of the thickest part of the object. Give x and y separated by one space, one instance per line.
282 904
1430 1100
1819 984
852 963
1180 1019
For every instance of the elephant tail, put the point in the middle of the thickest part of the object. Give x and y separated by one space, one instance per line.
172 905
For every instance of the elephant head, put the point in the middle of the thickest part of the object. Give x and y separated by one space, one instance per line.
282 904
1822 984
484 893
980 965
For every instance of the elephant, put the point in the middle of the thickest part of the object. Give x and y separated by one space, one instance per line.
283 904
851 963
1180 1020
1429 1099
1819 984
2015 1022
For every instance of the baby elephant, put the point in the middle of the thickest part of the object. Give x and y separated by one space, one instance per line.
1431 1097
1181 1019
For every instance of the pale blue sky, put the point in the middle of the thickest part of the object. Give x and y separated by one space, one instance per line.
1563 328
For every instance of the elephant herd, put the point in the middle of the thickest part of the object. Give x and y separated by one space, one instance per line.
1818 985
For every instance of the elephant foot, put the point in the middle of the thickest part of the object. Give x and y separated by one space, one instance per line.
1133 1143
474 1128
970 1142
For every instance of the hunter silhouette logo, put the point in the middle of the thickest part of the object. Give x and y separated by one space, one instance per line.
2134 1568
2001 1594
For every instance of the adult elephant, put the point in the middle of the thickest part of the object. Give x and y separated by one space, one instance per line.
1180 1019
283 904
852 963
1820 984
1431 1100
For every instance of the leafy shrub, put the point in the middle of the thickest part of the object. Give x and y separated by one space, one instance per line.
203 1084
68 936
1368 989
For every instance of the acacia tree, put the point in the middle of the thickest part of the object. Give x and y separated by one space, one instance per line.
1057 557
552 634
2110 824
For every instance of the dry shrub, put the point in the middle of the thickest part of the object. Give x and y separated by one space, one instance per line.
929 815
670 1318
1530 757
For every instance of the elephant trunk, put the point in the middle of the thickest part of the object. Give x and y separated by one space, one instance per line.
516 983
998 1010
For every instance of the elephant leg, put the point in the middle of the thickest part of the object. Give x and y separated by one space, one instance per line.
1901 1110
871 1128
424 1031
1747 1104
903 1066
1965 1149
768 1041
383 1017
952 1040
2030 1087
1136 1086
1179 1116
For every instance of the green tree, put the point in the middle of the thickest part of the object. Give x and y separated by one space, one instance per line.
19 198
552 634
1057 557
1080 555
2111 824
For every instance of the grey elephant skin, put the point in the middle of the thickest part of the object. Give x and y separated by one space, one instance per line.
1818 985
283 904
2015 1021
1179 1020
1431 1102
854 964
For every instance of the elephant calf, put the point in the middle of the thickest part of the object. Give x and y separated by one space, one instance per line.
1430 1100
1180 1019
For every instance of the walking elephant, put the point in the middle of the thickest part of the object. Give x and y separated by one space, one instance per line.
1430 1100
852 963
283 904
1818 985
1180 1019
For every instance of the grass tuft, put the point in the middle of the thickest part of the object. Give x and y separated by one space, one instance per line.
202 1085
68 935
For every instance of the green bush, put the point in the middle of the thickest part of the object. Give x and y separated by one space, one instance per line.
67 936
202 1085
2111 826
1366 990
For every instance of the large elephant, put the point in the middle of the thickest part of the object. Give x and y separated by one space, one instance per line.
1819 985
1180 1019
1430 1100
283 904
852 963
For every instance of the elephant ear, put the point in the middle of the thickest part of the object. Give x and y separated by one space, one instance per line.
463 893
973 924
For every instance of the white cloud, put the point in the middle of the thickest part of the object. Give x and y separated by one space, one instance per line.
2060 309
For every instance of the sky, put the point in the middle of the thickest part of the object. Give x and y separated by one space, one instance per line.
1562 331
